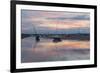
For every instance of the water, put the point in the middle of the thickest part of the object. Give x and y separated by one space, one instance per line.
46 50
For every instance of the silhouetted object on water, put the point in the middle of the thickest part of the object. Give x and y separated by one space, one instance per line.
57 39
37 38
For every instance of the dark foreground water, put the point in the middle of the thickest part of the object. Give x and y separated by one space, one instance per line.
46 50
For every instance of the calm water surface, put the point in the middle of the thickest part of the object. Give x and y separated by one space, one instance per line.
46 50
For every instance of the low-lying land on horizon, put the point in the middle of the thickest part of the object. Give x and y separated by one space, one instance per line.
62 36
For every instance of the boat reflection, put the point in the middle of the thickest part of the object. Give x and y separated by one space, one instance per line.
46 50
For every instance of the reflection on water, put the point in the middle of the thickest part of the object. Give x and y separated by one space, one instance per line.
46 50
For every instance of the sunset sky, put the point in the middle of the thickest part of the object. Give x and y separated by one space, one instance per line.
59 22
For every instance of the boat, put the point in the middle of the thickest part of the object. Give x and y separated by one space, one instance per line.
56 39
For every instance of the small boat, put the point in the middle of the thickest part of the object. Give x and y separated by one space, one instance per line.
56 39
37 38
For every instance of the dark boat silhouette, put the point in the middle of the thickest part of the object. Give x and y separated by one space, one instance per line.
56 39
37 38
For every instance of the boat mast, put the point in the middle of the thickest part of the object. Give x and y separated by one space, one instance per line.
37 37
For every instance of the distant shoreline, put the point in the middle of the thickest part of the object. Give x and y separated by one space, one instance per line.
62 36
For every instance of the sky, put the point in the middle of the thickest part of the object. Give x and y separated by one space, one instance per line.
54 22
